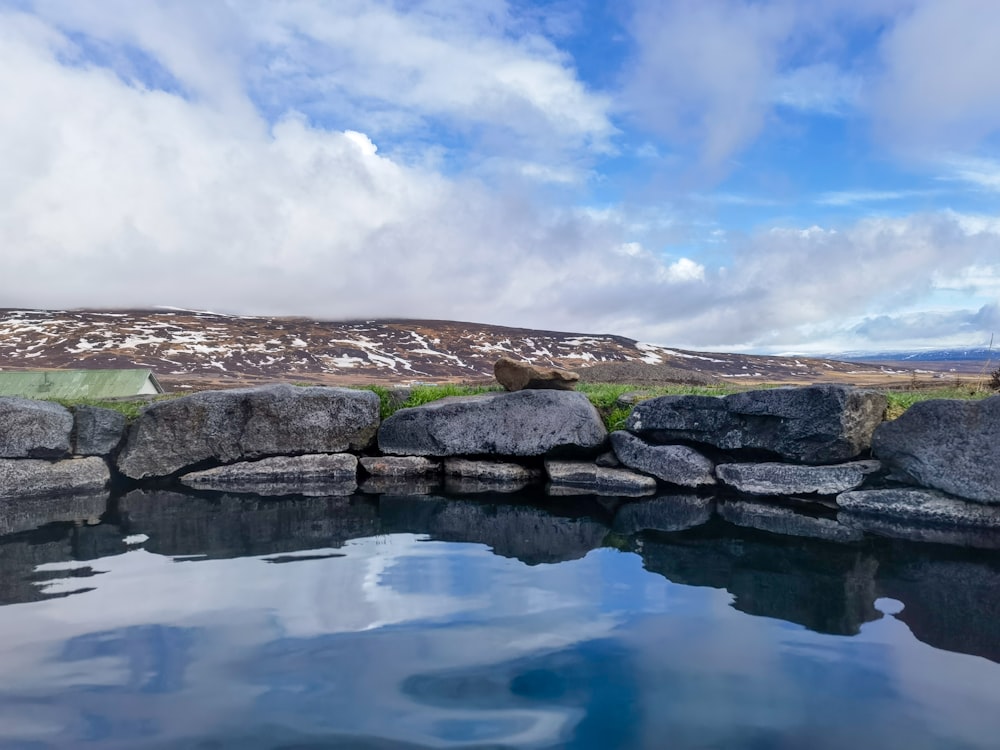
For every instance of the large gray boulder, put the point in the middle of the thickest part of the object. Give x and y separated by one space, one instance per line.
311 475
948 445
226 426
34 429
522 423
924 506
818 424
795 479
97 431
30 477
676 464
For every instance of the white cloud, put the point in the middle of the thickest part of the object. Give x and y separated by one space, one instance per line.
822 88
940 83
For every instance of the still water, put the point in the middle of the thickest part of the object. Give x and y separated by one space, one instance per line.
164 620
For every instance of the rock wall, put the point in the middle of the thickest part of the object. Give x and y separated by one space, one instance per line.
827 445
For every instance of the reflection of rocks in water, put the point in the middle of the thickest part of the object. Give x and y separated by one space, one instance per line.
20 554
949 596
915 531
25 514
779 519
232 525
826 587
388 485
664 513
530 534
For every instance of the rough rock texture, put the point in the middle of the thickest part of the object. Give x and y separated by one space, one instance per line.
227 426
663 513
780 520
317 474
97 431
399 467
518 376
387 485
608 459
914 504
947 445
676 464
503 471
456 485
523 423
33 429
30 477
794 479
818 424
584 475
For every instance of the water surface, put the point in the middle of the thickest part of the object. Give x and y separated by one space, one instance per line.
180 621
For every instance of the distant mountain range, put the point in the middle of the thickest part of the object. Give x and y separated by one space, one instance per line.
975 354
200 349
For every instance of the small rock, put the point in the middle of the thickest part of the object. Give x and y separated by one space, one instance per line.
584 475
321 474
503 471
794 479
676 464
608 460
518 376
399 466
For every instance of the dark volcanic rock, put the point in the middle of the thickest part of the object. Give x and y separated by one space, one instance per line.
523 423
227 426
518 376
676 464
34 429
97 431
948 445
314 474
29 477
794 479
399 467
589 477
819 424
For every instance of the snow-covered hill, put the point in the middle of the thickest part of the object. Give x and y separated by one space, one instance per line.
198 347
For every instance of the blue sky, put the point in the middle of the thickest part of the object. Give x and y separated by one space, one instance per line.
758 175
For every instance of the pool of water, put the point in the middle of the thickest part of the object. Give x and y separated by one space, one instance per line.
166 620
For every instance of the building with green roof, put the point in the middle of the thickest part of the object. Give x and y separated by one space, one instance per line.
73 384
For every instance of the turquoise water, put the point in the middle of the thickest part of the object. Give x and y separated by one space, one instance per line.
173 621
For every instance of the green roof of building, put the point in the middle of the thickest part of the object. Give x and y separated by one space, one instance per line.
69 384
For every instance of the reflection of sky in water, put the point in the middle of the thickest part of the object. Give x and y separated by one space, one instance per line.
446 645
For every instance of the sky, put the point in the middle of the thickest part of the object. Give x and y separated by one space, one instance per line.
808 176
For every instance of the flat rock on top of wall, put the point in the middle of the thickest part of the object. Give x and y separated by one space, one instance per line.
795 479
32 477
946 444
227 426
34 429
522 423
817 424
518 376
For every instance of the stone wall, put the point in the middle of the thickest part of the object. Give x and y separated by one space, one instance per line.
825 446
